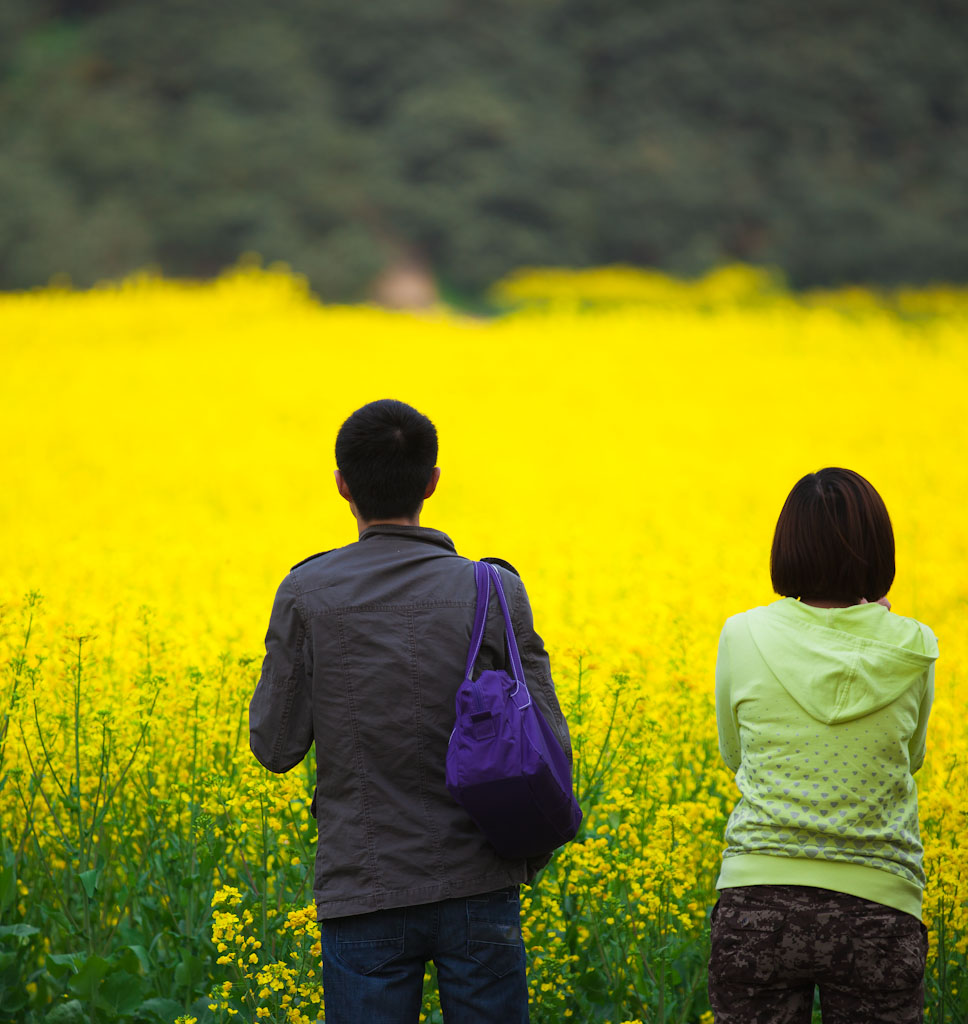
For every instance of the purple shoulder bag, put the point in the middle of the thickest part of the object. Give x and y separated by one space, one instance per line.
504 765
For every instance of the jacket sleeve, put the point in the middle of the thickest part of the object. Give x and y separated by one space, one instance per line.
536 663
918 742
537 674
281 711
729 742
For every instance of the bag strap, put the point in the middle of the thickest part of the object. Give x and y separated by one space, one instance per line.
484 575
495 575
482 578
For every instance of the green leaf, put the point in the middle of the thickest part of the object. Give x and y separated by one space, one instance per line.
143 959
8 881
126 960
60 963
123 992
189 972
6 959
59 918
88 978
13 1000
594 986
164 1009
67 1013
89 879
21 931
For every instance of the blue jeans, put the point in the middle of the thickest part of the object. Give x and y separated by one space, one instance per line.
373 964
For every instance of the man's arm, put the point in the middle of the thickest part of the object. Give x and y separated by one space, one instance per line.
281 710
537 675
535 661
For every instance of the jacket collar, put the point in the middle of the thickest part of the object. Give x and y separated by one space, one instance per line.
421 533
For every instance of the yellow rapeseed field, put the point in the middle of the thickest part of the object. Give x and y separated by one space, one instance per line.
626 441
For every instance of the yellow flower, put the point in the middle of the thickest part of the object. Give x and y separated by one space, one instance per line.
676 393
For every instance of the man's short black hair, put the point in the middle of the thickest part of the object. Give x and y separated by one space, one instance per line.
833 540
387 452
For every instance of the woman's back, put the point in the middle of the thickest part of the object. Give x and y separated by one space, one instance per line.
822 703
823 716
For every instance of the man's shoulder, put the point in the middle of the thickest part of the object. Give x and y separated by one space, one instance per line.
311 558
353 565
321 558
514 587
502 563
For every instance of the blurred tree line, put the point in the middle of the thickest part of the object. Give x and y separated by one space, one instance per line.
474 136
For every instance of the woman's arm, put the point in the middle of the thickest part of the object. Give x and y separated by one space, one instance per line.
729 744
916 747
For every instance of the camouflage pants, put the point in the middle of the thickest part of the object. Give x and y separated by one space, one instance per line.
772 944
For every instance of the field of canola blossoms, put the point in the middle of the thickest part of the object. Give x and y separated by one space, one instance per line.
624 439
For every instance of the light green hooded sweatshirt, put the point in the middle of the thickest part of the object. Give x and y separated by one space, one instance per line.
822 714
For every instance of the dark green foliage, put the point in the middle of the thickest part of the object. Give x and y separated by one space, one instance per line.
829 139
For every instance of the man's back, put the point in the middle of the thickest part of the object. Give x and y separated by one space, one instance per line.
366 648
369 643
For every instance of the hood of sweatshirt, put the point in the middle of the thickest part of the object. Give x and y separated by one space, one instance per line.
839 664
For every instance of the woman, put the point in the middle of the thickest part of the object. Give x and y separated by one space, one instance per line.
822 702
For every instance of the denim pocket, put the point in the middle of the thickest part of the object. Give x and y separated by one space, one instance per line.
494 931
369 942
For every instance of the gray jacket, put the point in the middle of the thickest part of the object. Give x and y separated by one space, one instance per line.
365 650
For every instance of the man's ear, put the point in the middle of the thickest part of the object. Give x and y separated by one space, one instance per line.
341 486
432 484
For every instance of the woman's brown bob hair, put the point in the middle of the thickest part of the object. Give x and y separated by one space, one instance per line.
833 540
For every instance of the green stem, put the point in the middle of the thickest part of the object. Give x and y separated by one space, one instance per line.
43 747
102 772
36 777
76 795
265 871
134 753
56 888
33 601
578 716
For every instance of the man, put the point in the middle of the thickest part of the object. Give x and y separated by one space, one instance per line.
365 650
